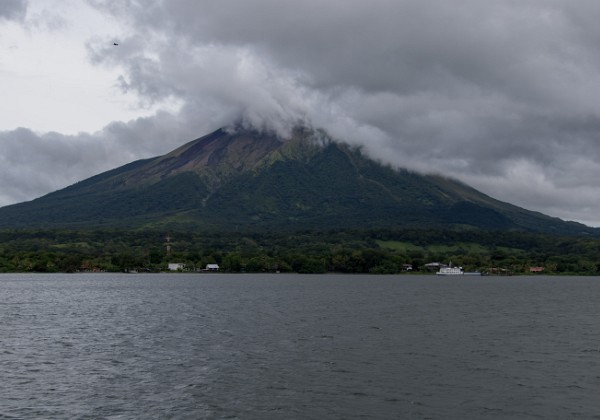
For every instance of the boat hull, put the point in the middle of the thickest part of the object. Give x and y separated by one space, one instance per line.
468 273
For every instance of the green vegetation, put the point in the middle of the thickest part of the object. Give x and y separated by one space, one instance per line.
348 251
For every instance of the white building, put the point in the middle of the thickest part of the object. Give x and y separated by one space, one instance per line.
176 266
212 267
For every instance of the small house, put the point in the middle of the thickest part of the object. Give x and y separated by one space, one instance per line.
434 266
212 267
176 266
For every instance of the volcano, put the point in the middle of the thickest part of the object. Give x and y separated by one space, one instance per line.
251 180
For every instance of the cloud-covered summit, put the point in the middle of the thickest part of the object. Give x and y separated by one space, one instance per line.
500 94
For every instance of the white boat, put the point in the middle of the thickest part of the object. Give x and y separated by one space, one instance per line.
456 271
450 271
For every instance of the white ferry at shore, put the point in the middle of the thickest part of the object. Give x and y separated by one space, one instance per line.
450 271
455 271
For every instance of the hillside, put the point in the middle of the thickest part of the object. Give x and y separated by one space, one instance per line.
246 180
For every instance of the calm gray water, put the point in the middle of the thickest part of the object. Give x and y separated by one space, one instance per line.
298 347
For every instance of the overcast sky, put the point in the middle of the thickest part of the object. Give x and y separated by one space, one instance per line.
503 95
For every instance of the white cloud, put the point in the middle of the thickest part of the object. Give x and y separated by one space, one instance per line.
46 79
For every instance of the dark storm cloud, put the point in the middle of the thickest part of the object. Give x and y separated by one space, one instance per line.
13 9
436 63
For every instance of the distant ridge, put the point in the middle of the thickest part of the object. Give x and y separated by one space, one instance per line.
245 179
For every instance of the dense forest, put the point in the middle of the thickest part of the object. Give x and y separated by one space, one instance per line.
347 251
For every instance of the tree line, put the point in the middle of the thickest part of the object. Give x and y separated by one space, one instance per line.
347 251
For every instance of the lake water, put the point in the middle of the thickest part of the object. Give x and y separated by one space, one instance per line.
195 346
